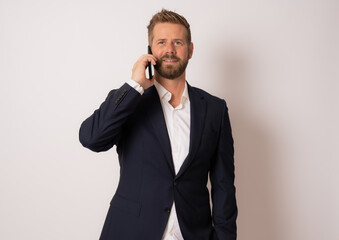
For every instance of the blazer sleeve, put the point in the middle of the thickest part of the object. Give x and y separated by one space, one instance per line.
224 211
102 129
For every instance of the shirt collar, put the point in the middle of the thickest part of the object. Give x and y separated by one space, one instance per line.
164 92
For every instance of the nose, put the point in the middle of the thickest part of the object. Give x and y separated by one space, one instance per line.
170 49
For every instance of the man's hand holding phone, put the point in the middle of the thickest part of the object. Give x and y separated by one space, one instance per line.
139 73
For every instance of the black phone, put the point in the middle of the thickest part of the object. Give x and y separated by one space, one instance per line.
149 65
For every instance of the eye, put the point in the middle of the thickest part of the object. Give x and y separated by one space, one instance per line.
161 42
178 43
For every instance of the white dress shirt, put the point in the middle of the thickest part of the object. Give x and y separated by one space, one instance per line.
178 127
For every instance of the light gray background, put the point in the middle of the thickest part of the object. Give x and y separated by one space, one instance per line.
275 63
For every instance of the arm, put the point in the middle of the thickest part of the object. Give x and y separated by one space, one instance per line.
222 182
101 130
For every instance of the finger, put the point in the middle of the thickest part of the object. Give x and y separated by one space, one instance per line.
146 59
150 57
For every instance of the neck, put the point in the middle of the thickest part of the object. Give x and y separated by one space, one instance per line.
174 86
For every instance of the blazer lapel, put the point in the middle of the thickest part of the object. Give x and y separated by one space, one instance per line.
157 120
198 114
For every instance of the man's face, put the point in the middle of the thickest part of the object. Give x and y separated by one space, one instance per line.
170 47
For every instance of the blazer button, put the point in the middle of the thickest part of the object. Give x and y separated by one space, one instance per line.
168 210
175 183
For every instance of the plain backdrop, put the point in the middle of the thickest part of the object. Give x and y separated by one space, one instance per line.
274 62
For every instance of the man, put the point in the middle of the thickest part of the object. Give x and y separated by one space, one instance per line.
169 137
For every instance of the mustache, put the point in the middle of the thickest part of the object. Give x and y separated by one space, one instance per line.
169 57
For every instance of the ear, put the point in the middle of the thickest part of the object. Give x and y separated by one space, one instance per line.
190 50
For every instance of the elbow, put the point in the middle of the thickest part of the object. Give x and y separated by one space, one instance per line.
93 143
86 140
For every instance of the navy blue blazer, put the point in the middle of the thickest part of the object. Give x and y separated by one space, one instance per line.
148 185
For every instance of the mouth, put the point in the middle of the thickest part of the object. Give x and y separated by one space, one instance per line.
170 60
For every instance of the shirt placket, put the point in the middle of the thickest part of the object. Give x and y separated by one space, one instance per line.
175 139
175 152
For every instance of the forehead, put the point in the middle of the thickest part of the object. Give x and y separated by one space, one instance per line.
169 31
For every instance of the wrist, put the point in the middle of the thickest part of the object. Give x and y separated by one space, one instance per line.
136 85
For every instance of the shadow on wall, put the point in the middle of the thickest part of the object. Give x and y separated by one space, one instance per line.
254 149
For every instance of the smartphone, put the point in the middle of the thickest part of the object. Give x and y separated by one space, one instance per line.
149 65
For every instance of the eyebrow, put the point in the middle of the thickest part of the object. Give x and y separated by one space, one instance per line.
163 39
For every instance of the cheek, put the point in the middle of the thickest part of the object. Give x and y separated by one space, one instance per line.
185 55
157 53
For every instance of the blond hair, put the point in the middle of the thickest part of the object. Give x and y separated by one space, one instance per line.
165 16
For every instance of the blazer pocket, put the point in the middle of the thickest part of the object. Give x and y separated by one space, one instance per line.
126 205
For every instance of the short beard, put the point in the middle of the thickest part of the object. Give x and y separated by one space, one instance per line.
171 72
